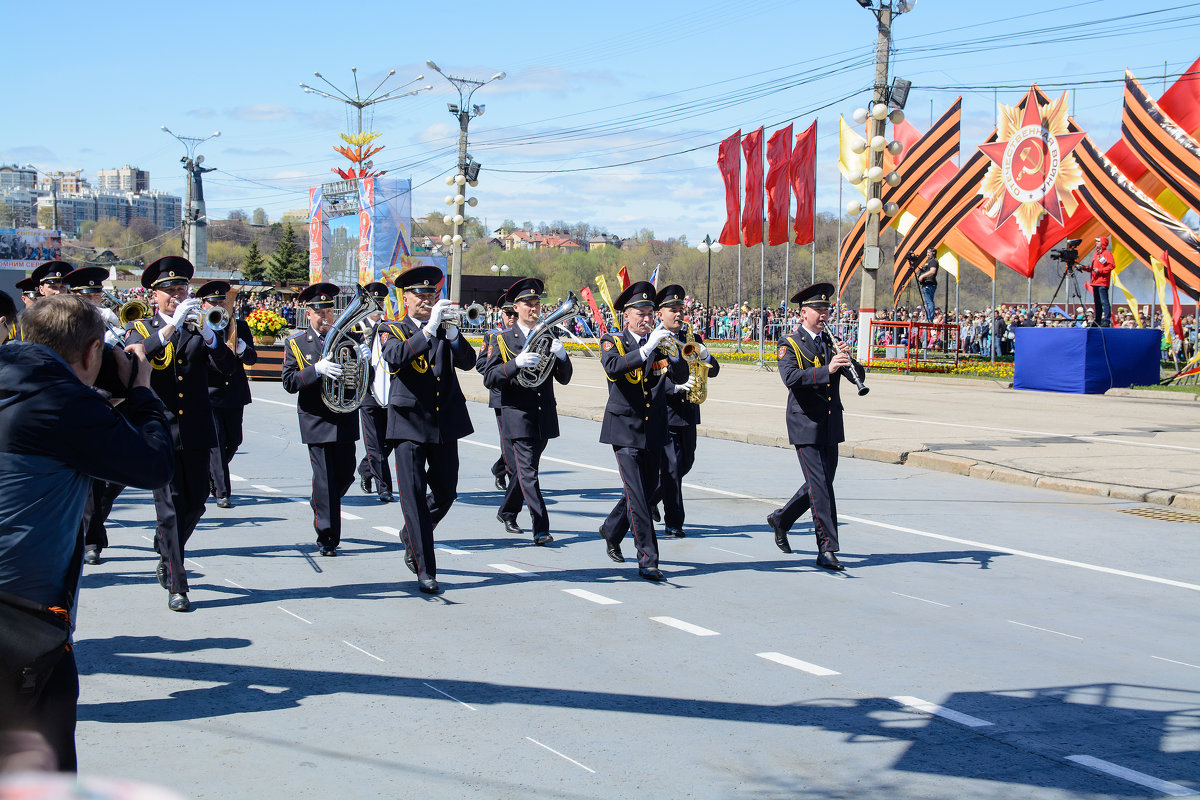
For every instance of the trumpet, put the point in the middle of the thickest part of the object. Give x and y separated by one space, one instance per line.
216 317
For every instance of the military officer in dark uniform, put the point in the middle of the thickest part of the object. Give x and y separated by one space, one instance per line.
427 413
8 317
508 318
812 365
50 277
372 414
635 420
330 435
179 349
682 415
229 392
528 416
29 290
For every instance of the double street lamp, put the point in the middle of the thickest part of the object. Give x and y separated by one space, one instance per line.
708 246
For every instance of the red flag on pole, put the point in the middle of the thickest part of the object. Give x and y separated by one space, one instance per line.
803 175
1176 308
623 277
729 160
586 292
752 204
779 159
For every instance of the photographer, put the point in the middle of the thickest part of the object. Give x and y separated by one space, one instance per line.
57 433
927 280
1101 269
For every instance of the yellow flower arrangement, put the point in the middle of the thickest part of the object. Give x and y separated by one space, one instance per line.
264 322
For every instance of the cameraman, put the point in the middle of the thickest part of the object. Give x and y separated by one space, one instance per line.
56 434
1101 269
927 279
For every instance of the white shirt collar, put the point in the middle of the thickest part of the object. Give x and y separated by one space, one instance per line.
816 337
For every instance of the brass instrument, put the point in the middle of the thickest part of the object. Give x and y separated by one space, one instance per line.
345 394
540 340
697 366
474 314
669 346
216 317
132 310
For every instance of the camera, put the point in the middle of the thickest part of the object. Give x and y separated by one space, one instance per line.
1068 255
913 258
109 379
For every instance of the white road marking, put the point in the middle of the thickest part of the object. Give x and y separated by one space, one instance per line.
364 652
262 488
236 478
147 538
560 755
1047 630
685 626
452 697
795 663
1133 776
747 403
238 585
917 704
1173 661
593 597
452 551
274 402
387 530
347 515
509 568
922 599
297 616
194 561
732 552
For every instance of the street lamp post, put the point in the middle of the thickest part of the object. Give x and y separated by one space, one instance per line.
708 246
358 101
468 170
195 243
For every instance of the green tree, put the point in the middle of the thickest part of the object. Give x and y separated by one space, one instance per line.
253 266
288 264
258 217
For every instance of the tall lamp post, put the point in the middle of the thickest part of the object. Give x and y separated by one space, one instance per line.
468 170
358 101
195 242
708 246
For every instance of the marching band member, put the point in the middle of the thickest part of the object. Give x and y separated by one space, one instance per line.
528 416
8 317
372 414
427 413
683 416
29 290
50 278
812 366
330 436
635 420
228 391
179 354
508 317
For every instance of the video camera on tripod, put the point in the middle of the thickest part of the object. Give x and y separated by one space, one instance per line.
1069 255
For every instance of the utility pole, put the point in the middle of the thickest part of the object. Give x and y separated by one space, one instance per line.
195 220
872 254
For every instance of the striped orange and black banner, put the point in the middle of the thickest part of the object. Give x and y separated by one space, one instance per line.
1136 220
1166 149
929 152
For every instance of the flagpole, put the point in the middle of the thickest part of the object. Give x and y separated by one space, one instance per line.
787 253
738 315
762 303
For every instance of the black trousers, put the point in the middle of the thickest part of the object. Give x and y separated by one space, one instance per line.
639 475
228 423
52 712
427 479
523 458
499 467
679 454
818 463
179 506
333 473
96 510
375 462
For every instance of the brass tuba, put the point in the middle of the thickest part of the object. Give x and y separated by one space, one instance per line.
539 341
696 366
345 394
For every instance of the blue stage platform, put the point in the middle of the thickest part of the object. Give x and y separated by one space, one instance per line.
1085 360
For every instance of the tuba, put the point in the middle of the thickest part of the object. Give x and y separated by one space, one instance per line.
696 366
539 341
346 394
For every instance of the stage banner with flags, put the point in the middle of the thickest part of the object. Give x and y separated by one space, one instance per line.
779 162
729 161
602 285
586 294
752 202
623 277
802 174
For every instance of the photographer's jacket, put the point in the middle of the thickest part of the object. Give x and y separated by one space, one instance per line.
814 407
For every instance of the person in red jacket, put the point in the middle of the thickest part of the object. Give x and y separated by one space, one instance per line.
1101 268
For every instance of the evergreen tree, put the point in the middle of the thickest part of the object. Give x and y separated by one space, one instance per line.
253 267
288 264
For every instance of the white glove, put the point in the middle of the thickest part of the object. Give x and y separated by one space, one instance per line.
451 332
435 313
527 360
702 349
557 349
210 336
364 352
183 310
111 339
240 347
685 387
656 336
327 369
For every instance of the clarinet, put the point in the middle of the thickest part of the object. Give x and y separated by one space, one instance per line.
852 371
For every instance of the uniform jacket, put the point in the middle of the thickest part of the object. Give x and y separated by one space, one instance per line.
481 363
426 403
318 423
524 413
681 413
636 412
56 435
814 407
229 388
180 378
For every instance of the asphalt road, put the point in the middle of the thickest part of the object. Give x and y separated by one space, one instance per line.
986 641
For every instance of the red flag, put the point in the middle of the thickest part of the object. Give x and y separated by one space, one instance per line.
623 277
779 158
1176 308
752 204
729 161
803 175
586 292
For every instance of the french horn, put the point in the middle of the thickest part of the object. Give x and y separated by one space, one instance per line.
346 393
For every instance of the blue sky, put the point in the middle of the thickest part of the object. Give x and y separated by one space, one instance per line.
587 86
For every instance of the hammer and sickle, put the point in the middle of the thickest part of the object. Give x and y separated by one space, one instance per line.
1023 158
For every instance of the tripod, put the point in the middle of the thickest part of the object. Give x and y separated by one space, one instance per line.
1068 279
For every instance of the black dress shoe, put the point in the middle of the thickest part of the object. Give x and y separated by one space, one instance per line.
654 515
781 540
386 497
161 572
329 550
178 601
542 538
510 525
678 533
651 574
502 482
91 555
223 502
409 561
365 482
828 560
428 586
614 552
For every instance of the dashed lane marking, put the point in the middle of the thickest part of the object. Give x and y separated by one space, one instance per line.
1133 776
917 704
732 552
1047 630
452 697
364 652
685 626
347 515
236 478
509 568
238 585
593 597
297 616
560 755
387 530
795 663
451 550
274 402
262 488
1173 661
922 599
